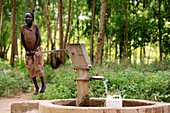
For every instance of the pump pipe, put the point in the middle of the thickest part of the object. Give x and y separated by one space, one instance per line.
52 51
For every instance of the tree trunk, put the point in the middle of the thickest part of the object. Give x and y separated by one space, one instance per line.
100 42
54 55
141 60
78 31
149 51
130 57
32 8
92 32
1 54
60 4
71 29
159 26
135 56
5 51
49 56
55 32
16 47
26 6
124 46
67 30
1 12
46 12
116 52
107 45
13 34
21 52
47 47
144 53
121 48
110 49
126 29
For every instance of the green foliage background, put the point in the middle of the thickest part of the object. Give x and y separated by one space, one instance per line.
139 81
144 82
130 81
12 80
142 23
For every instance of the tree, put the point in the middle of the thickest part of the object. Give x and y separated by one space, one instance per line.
100 42
67 30
60 5
159 27
92 31
126 29
32 8
46 12
1 12
143 24
13 34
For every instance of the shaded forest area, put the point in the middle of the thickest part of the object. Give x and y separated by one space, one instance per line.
111 29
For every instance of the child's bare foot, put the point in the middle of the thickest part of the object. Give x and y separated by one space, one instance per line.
43 89
36 91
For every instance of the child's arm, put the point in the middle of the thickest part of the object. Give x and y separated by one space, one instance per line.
23 43
38 39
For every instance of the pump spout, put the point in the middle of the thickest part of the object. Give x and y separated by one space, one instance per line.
97 78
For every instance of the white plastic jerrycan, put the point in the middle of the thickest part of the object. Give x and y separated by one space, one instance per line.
114 101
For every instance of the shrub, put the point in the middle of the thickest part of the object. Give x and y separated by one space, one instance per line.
130 82
61 84
12 80
134 84
148 82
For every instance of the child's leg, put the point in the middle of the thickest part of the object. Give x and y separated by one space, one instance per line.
43 85
36 86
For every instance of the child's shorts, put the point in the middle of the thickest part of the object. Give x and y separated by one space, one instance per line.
34 63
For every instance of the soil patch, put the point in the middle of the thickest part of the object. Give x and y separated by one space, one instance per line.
5 103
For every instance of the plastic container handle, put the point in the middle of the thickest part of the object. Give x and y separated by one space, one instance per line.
116 96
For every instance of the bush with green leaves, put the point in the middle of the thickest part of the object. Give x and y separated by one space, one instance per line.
138 81
12 80
138 85
60 83
123 79
130 81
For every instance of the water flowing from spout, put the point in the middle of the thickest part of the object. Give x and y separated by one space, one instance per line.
112 101
105 85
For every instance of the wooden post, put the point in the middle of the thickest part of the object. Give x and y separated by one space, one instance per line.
82 87
81 63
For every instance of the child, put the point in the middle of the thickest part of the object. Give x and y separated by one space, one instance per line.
31 40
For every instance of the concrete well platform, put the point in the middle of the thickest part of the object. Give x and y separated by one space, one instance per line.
97 105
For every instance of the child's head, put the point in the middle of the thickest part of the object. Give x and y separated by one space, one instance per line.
29 17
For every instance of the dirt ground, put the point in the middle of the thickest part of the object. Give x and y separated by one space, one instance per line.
5 103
